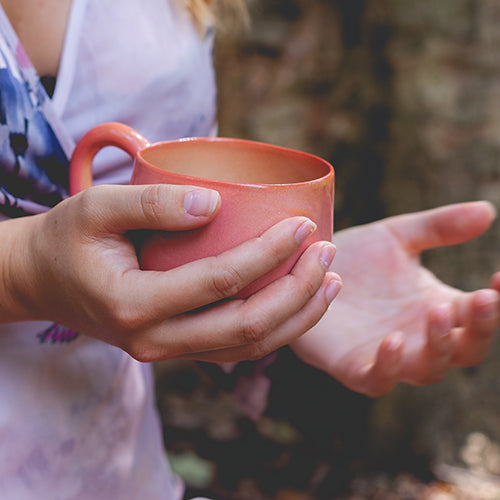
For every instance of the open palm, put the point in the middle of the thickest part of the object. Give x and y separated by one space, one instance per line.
394 321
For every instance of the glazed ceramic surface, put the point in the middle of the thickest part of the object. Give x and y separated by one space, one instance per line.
259 184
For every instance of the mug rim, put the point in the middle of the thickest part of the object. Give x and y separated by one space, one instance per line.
261 145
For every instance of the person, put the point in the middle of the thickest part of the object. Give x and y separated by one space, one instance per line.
80 322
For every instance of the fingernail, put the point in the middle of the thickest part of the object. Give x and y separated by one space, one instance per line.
201 202
332 290
327 255
486 304
489 310
305 229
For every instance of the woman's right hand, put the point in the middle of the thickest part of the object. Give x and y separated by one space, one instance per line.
75 266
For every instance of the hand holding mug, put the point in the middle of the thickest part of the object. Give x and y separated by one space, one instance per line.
259 185
75 266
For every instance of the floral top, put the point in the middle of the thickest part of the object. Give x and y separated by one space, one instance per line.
34 160
77 416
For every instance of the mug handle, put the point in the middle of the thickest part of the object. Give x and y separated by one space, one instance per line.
108 134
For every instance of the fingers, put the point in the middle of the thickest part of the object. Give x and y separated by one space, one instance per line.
380 377
458 335
429 363
495 282
478 316
436 355
212 279
160 206
249 329
448 225
284 333
399 361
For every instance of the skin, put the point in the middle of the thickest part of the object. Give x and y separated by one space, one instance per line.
394 321
90 280
41 27
75 266
385 327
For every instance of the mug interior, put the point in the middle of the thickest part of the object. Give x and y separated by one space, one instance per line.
235 160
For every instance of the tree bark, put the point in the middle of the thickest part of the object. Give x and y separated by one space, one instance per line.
402 97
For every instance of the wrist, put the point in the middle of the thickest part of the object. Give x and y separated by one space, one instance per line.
17 270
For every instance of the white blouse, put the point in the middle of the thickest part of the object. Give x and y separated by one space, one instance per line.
77 416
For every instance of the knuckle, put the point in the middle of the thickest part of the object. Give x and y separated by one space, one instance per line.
125 319
377 388
141 352
150 203
257 351
130 321
309 288
254 331
88 208
227 282
87 202
275 254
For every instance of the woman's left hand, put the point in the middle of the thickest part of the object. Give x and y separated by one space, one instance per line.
394 321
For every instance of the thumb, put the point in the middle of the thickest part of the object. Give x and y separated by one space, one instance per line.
447 225
159 206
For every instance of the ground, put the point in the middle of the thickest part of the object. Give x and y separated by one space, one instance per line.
317 455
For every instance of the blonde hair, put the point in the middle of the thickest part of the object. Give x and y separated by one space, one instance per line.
222 13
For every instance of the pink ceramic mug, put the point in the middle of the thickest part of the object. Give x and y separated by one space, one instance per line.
259 185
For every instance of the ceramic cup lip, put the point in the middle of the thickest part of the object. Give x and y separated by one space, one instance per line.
322 168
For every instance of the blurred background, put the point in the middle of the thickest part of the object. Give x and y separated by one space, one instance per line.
401 97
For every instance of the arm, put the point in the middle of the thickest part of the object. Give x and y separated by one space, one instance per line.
73 265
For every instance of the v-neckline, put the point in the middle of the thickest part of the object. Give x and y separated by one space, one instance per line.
65 75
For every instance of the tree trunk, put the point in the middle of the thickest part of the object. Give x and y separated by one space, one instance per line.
401 96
